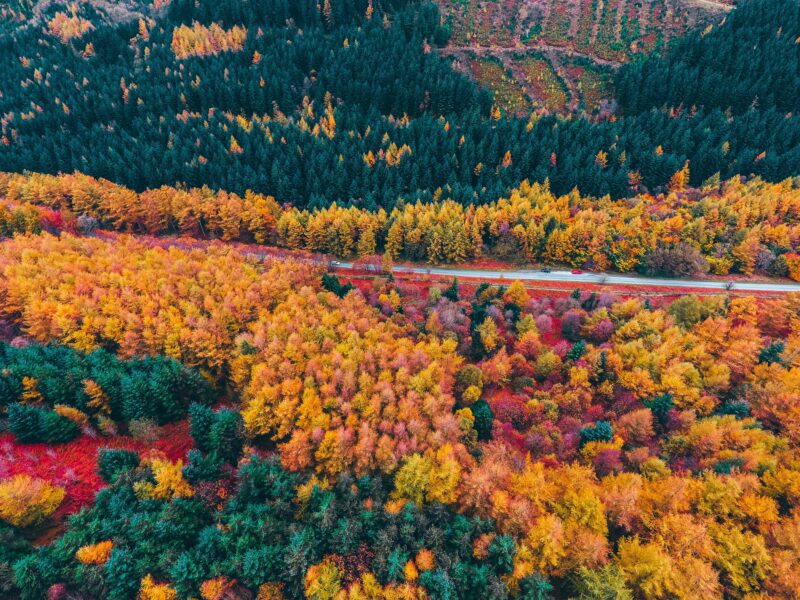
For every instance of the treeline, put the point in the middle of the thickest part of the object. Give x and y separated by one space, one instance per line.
731 227
89 203
357 79
50 393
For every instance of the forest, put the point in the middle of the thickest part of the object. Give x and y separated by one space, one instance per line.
191 96
197 402
387 440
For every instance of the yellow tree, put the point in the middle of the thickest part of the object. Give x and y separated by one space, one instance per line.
26 501
680 179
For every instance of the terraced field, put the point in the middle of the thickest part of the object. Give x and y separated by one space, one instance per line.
567 45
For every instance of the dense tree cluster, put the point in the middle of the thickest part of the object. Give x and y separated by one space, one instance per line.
199 40
68 26
342 389
471 443
127 297
748 62
731 227
52 392
260 530
362 109
27 218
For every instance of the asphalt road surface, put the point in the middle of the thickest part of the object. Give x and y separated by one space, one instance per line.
596 278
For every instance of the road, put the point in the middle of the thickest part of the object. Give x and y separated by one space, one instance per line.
545 276
595 278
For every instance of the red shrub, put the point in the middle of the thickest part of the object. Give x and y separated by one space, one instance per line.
73 465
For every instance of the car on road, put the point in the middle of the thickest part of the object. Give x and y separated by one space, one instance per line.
577 272
546 270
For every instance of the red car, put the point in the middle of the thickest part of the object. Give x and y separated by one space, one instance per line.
577 272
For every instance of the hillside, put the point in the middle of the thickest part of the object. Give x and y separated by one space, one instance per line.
399 300
560 56
191 96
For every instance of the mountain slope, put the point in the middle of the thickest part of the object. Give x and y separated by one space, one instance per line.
578 43
347 102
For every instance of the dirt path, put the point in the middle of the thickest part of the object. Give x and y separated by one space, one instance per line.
547 9
574 18
618 20
499 51
644 19
521 11
711 4
669 16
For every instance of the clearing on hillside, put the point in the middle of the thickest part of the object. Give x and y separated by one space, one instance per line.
541 43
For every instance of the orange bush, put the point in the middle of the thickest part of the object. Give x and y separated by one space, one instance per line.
96 554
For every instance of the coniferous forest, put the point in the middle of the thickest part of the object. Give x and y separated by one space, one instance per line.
308 99
216 382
